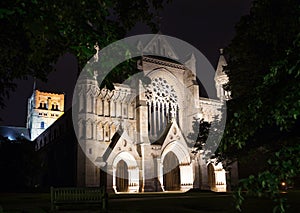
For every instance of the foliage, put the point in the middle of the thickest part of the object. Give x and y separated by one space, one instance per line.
258 68
206 136
283 167
34 34
200 133
264 74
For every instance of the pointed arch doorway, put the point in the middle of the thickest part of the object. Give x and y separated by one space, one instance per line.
122 176
171 171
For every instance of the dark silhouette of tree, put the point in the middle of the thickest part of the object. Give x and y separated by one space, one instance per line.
34 34
264 75
199 135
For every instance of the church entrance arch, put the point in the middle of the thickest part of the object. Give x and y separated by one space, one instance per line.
125 173
176 167
122 176
171 172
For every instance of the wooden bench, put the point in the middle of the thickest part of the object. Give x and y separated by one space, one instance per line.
76 196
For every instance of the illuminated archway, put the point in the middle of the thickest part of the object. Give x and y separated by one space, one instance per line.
125 166
122 176
183 162
216 177
171 172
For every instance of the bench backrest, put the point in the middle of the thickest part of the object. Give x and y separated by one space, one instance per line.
77 194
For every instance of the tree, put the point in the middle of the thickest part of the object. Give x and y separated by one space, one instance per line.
264 76
34 34
199 134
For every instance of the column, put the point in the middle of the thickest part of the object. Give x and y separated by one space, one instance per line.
94 105
196 172
203 168
158 119
125 110
186 177
100 110
94 130
154 119
106 107
148 168
114 180
163 115
159 174
149 117
112 108
110 179
117 109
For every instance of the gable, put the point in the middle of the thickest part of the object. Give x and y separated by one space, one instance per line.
159 46
119 144
176 143
172 133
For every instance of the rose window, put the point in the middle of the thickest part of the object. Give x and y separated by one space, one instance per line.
162 106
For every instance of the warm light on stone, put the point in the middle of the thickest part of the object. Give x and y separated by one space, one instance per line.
140 131
44 109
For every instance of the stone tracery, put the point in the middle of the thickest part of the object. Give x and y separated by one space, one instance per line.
162 104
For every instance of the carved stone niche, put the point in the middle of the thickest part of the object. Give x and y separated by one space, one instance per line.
174 131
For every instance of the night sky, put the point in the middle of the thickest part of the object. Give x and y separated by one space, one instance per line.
207 24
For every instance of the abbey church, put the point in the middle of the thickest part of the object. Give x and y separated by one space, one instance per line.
136 137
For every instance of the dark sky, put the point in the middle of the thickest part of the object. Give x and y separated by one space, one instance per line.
207 24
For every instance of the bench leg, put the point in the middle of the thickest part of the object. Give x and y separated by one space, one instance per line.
105 201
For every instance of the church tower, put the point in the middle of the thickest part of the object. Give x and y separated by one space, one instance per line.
43 110
221 78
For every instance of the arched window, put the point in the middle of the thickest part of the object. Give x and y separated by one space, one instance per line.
54 106
42 125
100 132
89 130
122 176
106 132
90 103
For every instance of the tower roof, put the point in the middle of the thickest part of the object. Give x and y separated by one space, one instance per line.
221 63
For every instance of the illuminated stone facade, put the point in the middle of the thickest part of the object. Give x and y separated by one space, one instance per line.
139 134
44 109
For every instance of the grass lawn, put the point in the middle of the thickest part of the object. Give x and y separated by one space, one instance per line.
151 202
